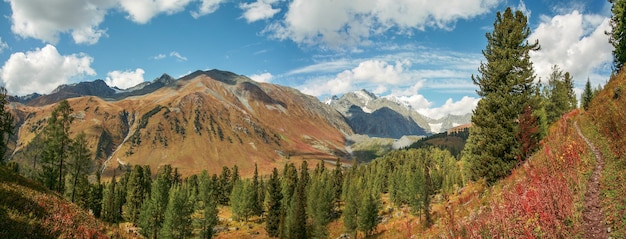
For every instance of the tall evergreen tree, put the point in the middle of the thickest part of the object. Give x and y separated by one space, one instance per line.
95 196
6 124
297 216
78 167
320 203
136 193
56 145
257 207
368 217
110 208
241 200
618 32
177 218
207 205
505 85
273 204
153 210
587 95
225 186
559 94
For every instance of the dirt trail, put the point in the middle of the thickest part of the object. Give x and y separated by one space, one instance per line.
593 217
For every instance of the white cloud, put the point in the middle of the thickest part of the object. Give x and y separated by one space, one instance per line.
178 56
463 106
259 10
173 54
576 43
263 77
347 22
3 45
207 7
44 20
142 11
42 70
159 56
125 79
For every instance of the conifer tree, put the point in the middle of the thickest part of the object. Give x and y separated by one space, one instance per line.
6 124
618 33
257 207
78 167
208 206
225 186
241 200
95 196
177 218
587 95
320 203
505 85
368 217
337 182
56 145
153 210
111 202
273 204
352 200
559 93
296 217
135 194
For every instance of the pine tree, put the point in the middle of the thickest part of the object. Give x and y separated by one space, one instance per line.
296 216
257 207
587 95
135 194
56 145
153 210
368 217
320 203
78 167
225 186
96 196
6 124
273 204
505 85
177 219
208 206
110 202
559 94
618 33
241 200
352 200
337 182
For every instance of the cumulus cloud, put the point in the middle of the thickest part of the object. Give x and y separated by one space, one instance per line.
42 70
141 11
464 106
263 77
259 10
125 79
44 20
576 43
345 22
206 7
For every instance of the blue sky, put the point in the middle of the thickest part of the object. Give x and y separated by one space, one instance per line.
422 52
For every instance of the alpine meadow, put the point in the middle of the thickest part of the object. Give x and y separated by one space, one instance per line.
534 150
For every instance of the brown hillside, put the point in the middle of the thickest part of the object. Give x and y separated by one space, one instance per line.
206 120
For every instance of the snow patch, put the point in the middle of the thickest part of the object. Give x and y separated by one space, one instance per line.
367 110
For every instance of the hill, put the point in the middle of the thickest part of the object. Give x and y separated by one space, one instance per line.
205 120
28 210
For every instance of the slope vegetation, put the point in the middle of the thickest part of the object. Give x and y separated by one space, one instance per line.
28 210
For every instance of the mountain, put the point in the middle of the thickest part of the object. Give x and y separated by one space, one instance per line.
205 120
385 117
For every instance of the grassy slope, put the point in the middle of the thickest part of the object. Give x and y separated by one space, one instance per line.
28 210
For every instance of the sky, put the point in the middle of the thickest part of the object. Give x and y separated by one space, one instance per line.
423 52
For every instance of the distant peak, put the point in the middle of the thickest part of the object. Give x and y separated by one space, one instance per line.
365 95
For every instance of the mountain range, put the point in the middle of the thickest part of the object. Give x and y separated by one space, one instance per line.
210 119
